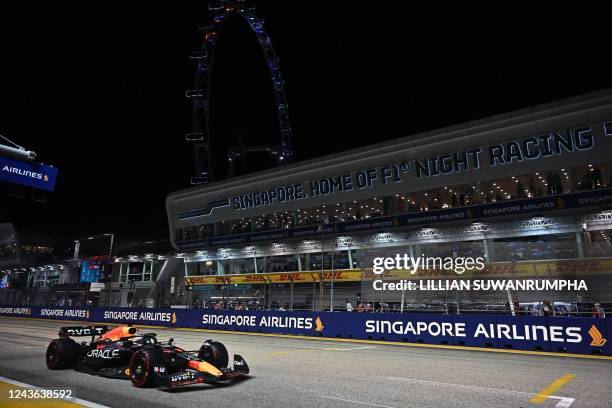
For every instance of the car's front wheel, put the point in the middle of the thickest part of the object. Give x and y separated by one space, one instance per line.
142 366
215 353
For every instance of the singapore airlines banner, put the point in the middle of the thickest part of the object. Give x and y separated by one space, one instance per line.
34 175
554 334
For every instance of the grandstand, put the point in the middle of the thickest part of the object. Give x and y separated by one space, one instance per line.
529 191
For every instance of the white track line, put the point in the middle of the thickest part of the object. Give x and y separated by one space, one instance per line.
83 402
355 402
564 402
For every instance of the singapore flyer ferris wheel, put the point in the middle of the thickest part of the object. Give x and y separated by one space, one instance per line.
238 104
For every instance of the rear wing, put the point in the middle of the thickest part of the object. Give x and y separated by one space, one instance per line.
78 331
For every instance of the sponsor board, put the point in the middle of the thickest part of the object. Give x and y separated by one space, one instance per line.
64 313
535 269
164 317
258 321
296 277
15 311
35 175
558 334
300 323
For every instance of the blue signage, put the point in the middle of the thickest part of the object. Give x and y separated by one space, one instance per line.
553 334
91 272
34 175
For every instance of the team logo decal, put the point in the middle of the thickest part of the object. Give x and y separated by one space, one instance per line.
182 377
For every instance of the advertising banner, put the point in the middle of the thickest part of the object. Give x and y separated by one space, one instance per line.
297 277
554 334
16 311
35 175
62 313
534 269
144 316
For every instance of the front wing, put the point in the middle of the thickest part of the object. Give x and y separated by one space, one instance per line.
189 376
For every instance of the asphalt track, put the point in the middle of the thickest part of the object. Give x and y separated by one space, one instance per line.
289 372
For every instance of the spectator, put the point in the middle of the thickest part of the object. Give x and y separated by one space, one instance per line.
558 184
596 177
349 306
550 183
587 181
599 312
531 187
520 190
368 307
546 309
360 307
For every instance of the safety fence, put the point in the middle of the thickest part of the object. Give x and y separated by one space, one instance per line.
555 334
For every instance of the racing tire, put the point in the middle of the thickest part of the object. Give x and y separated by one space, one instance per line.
215 353
142 366
61 353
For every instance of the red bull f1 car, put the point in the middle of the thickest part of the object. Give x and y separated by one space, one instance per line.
125 353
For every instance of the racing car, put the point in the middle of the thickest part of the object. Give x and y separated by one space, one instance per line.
125 353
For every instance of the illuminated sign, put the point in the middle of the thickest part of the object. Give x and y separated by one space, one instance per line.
34 175
514 152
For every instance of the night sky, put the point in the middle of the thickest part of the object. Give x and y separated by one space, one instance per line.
98 91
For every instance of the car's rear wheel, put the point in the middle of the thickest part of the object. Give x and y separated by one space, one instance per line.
142 366
61 353
215 353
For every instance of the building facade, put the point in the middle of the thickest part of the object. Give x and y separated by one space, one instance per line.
525 190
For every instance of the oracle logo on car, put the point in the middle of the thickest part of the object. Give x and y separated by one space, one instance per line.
105 353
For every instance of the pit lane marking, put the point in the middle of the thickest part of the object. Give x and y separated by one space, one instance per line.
59 403
277 353
551 388
356 402
564 402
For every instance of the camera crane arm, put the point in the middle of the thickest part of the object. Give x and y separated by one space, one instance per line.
17 152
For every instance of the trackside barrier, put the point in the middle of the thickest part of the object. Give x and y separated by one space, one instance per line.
557 334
